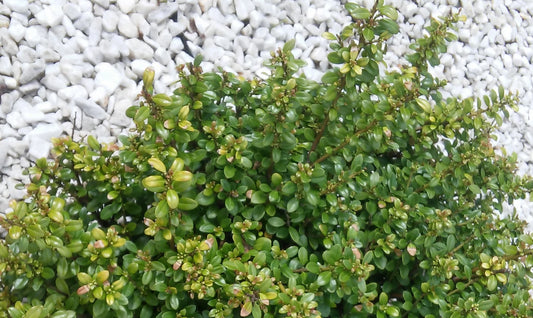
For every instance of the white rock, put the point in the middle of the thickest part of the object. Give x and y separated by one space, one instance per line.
126 6
162 13
54 82
46 107
71 92
4 148
176 45
95 31
26 54
17 5
16 30
10 82
126 27
5 66
139 50
39 148
138 67
257 19
72 72
110 51
93 54
30 88
164 38
15 120
507 33
83 23
71 10
119 117
8 100
29 114
519 60
99 95
47 53
107 77
140 22
103 3
110 21
35 34
50 15
90 108
31 71
70 29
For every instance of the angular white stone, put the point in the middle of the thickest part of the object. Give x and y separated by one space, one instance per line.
508 33
47 53
139 49
110 21
95 31
26 54
39 148
46 107
35 34
107 77
15 120
29 114
31 71
71 10
5 66
54 82
16 30
99 95
126 6
71 92
138 67
140 22
243 8
90 108
103 3
126 27
50 15
119 117
17 5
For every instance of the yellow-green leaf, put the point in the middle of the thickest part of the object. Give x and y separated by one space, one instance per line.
157 165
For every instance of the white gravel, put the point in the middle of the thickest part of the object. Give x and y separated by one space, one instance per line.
77 64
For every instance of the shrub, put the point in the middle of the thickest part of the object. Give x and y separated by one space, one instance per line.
364 195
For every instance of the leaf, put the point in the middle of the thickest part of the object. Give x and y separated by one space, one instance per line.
329 36
157 165
289 46
424 104
276 221
182 176
474 188
259 197
492 283
263 244
389 11
292 205
359 13
368 34
187 204
246 308
154 183
324 278
172 199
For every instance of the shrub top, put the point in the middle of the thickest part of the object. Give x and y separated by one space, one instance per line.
363 195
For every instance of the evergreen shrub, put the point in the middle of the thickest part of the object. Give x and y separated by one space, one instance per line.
366 194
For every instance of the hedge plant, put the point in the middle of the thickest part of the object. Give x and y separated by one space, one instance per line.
366 194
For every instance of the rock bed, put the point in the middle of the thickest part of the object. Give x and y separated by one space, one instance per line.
74 67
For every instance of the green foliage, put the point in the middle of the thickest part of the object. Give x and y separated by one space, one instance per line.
364 195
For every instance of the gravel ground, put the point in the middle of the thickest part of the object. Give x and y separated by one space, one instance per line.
75 66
